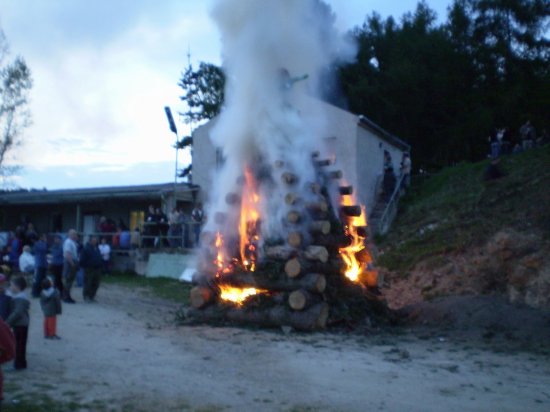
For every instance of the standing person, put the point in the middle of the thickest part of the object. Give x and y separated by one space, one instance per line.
389 177
19 320
105 251
7 352
92 262
197 216
406 170
14 250
50 302
150 229
5 299
175 228
56 266
26 260
70 264
40 250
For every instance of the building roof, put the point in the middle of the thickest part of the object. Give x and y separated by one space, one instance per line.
383 134
184 192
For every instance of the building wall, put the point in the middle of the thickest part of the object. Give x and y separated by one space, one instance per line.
359 151
204 159
370 165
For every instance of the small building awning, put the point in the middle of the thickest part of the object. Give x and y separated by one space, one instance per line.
183 191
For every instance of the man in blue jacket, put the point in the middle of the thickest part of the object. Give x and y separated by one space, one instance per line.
40 251
92 262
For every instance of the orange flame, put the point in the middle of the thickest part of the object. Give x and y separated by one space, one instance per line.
248 224
354 268
238 295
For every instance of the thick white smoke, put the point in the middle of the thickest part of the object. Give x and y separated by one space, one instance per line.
265 44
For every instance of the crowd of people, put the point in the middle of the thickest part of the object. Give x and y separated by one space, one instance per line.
178 229
502 141
52 270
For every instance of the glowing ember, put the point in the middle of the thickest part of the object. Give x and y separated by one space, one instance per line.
248 224
237 295
354 267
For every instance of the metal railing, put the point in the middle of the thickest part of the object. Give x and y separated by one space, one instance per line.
390 210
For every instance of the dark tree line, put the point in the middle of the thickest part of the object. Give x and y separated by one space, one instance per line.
444 87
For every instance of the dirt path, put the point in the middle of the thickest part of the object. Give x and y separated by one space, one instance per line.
124 353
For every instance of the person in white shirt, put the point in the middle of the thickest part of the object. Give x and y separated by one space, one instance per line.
70 264
26 260
105 250
406 165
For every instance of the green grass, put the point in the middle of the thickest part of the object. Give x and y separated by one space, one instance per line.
455 209
162 287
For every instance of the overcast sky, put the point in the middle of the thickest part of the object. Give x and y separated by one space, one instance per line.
103 70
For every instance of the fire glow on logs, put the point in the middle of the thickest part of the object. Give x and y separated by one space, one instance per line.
286 241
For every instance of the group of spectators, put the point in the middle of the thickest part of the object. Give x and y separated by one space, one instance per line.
178 229
502 142
53 268
390 177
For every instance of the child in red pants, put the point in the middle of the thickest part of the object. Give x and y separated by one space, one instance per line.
50 301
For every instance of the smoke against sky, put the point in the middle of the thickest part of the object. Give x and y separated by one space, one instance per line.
103 71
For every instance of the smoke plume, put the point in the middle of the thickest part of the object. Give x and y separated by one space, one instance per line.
269 47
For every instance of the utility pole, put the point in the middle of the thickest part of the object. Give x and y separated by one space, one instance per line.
173 128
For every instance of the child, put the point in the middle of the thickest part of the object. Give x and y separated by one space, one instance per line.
5 300
50 301
19 320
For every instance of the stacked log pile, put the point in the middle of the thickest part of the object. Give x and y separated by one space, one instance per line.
299 277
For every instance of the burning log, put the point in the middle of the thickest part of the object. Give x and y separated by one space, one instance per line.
354 210
345 190
333 241
335 174
293 216
320 226
362 231
297 266
301 299
200 296
312 318
312 282
289 178
232 198
294 239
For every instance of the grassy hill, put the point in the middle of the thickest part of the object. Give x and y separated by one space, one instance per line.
455 210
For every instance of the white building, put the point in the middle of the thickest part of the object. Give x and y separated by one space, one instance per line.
357 142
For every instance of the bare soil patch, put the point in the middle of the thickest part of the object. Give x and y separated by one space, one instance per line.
125 353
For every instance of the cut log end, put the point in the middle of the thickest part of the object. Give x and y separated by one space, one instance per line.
232 198
345 190
293 267
289 178
294 239
200 296
320 227
354 210
293 216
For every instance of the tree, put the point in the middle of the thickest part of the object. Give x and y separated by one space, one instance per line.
203 92
444 87
15 85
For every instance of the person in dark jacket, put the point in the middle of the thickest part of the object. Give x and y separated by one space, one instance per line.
39 250
50 302
5 299
92 262
56 266
19 320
